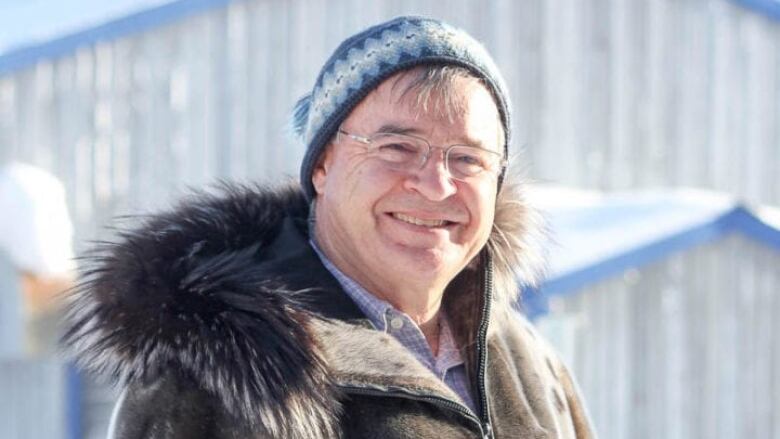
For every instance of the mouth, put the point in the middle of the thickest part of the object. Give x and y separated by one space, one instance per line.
430 223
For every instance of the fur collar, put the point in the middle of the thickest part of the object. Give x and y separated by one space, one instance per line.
196 290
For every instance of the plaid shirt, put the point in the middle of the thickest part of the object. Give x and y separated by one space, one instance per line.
448 365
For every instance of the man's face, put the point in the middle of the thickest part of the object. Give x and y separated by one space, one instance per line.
406 228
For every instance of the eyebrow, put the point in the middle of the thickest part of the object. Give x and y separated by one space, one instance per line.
392 128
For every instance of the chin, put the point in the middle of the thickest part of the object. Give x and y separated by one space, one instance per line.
429 261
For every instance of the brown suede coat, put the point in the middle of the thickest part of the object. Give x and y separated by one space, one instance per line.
220 322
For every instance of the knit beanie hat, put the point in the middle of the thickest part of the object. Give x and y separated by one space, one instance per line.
365 60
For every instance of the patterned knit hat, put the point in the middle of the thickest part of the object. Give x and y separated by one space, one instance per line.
364 60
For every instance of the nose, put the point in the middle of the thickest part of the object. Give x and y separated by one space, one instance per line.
433 180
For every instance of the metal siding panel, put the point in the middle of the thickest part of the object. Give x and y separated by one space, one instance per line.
771 285
710 362
561 93
218 110
260 105
719 162
236 46
728 337
762 282
622 361
33 398
519 52
594 107
656 81
198 165
704 352
697 286
761 83
674 356
692 122
11 310
622 95
278 96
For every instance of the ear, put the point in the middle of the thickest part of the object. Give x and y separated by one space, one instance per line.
319 175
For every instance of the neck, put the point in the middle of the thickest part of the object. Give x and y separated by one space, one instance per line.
431 329
426 314
422 306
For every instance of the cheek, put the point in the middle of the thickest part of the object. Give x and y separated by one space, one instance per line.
488 222
482 213
368 179
357 187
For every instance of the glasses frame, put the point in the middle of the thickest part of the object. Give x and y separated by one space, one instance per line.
368 140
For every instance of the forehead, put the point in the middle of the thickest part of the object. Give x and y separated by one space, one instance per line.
466 110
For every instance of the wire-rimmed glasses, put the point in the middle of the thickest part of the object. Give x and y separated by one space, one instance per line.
405 152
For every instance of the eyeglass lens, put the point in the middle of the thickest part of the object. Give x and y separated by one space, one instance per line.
406 151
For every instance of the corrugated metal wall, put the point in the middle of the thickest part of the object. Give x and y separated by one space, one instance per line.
11 311
685 348
32 402
608 94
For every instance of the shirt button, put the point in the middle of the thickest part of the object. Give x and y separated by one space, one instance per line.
397 323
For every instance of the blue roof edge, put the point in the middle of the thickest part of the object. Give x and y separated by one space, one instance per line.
28 56
737 219
770 8
535 302
746 222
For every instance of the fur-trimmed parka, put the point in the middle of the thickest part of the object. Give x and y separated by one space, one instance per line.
220 321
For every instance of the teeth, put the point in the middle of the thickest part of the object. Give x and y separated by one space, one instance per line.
418 221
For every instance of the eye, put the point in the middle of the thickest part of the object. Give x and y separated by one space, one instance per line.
398 147
467 159
398 152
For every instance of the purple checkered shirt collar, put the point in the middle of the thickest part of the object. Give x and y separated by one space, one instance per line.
448 365
373 307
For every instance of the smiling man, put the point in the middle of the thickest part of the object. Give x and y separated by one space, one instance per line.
374 301
401 217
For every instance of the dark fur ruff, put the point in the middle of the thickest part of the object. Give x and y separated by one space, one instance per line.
183 293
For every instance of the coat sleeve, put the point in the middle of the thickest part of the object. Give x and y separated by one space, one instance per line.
165 409
583 428
550 368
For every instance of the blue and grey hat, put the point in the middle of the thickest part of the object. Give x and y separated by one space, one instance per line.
366 59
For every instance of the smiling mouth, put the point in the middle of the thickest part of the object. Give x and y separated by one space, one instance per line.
421 222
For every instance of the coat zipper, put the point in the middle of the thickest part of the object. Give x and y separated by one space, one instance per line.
482 348
435 400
